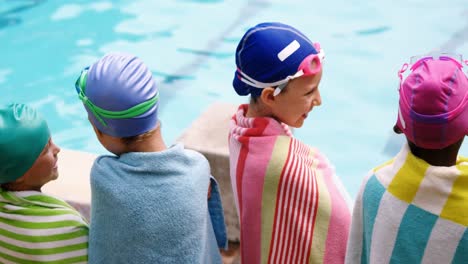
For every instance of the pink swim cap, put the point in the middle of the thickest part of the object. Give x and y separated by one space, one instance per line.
433 112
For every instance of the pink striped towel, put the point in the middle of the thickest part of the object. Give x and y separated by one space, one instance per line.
291 205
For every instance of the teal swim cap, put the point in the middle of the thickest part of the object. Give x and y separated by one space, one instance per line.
23 136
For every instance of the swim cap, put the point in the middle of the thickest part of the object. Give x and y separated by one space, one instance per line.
120 95
269 52
433 106
23 136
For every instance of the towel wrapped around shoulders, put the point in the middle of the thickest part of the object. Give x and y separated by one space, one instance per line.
291 205
152 207
39 228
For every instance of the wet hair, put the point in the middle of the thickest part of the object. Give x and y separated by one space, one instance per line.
7 186
254 100
128 141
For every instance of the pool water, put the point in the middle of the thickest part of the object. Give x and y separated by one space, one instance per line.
189 45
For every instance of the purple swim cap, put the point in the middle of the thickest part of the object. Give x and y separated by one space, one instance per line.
120 95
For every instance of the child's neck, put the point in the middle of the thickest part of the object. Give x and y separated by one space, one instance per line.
154 143
445 157
258 110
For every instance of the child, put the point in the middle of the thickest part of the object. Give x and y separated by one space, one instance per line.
149 202
34 227
413 209
290 208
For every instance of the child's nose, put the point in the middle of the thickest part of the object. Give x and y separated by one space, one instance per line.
317 100
56 149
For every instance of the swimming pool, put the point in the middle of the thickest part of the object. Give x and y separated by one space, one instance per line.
189 45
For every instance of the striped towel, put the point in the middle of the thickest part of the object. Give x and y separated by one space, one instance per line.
291 206
37 228
410 212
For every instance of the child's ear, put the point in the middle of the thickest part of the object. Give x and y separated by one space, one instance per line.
397 130
267 96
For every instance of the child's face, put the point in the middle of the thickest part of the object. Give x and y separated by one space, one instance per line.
297 100
43 170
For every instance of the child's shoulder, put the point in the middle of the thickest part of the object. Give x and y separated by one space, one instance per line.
106 156
193 157
379 176
462 161
189 152
104 159
387 163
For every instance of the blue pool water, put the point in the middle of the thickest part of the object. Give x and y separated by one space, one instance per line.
189 46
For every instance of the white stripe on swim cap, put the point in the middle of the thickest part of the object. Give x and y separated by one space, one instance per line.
289 50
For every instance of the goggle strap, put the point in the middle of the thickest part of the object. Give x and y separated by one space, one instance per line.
254 83
101 113
321 55
277 91
437 56
296 75
247 81
246 76
250 81
93 109
459 61
83 79
81 85
404 67
134 111
279 88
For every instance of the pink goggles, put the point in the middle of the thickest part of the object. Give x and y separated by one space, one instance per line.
416 61
311 65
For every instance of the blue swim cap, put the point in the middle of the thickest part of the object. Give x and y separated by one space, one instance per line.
23 136
120 95
269 52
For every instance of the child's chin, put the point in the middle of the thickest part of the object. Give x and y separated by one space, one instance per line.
54 175
298 124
